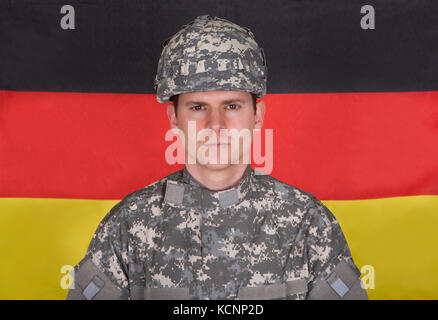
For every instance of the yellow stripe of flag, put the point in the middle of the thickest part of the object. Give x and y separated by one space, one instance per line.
393 240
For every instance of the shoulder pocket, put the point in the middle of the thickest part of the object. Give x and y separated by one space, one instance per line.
273 291
343 283
93 284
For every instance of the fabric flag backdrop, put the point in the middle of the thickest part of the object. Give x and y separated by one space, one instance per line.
354 113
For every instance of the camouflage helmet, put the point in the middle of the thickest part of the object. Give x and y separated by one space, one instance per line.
209 54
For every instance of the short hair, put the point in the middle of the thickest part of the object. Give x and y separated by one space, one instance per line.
175 98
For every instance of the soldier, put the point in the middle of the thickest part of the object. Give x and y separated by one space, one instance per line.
216 230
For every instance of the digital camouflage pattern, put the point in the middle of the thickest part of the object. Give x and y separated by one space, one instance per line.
203 244
211 53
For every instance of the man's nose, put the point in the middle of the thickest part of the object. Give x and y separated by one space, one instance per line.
216 119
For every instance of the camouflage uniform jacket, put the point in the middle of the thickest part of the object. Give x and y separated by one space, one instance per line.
175 239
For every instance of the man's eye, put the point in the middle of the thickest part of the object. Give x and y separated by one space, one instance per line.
232 107
198 108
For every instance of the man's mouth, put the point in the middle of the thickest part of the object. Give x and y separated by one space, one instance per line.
219 144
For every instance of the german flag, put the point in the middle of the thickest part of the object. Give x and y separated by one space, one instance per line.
352 101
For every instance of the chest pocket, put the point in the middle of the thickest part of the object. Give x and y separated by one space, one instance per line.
274 291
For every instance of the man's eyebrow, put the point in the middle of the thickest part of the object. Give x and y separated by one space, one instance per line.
195 102
233 101
204 103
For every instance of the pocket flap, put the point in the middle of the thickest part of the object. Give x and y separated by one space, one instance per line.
140 293
273 291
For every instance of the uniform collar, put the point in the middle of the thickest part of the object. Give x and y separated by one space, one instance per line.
224 198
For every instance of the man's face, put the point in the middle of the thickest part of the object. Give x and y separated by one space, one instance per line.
212 111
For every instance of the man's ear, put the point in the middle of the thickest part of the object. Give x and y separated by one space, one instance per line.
260 114
171 115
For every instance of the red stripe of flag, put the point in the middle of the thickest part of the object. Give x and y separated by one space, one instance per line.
102 146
